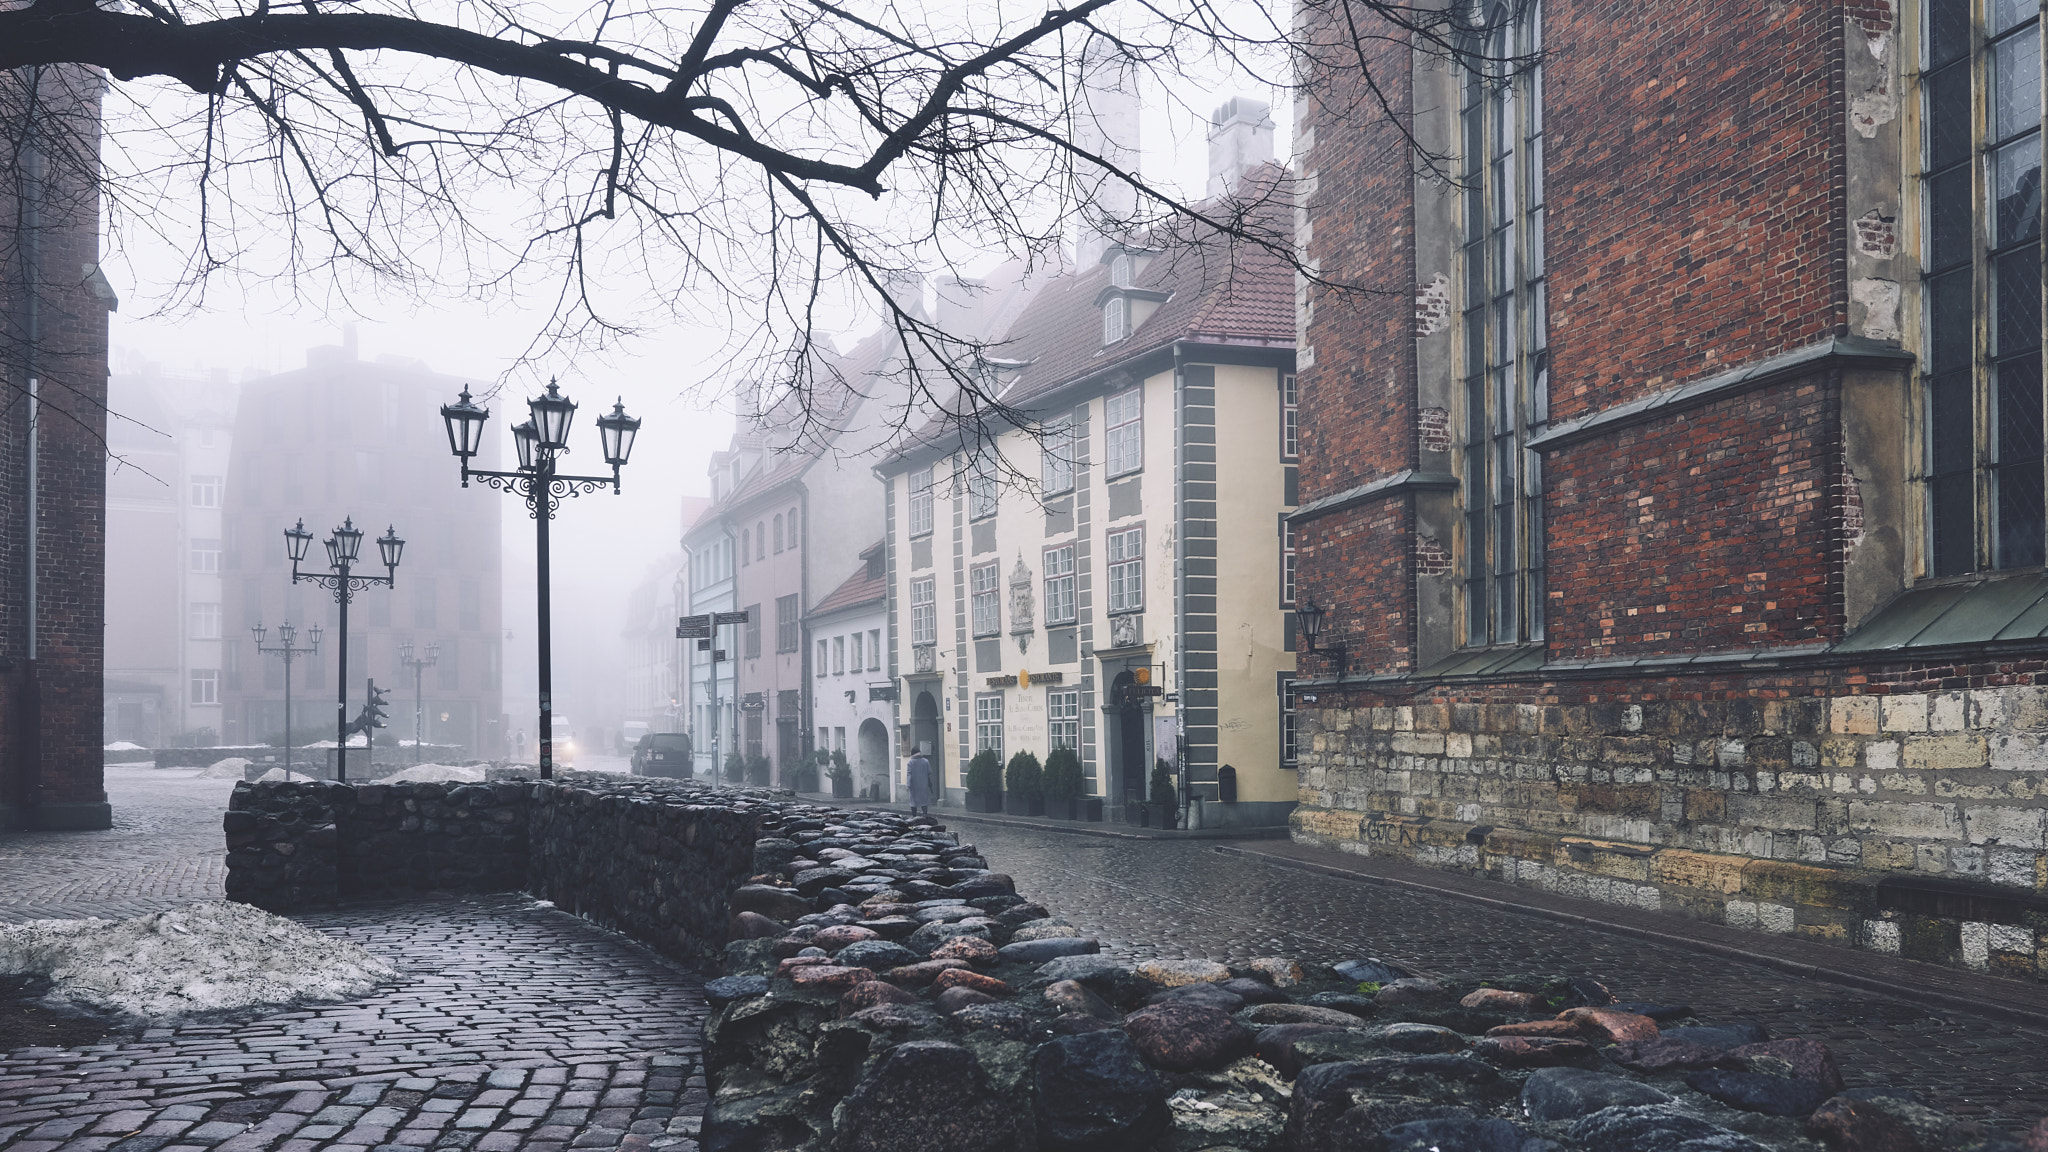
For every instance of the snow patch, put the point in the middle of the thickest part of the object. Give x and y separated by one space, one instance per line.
121 746
232 768
196 958
452 773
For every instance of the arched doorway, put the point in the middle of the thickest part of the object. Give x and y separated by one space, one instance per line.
925 729
873 749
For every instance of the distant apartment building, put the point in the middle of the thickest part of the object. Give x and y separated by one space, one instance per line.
345 439
852 697
1121 557
654 656
167 463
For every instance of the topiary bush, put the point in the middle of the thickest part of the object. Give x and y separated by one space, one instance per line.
757 770
840 770
735 767
1024 778
1062 778
985 772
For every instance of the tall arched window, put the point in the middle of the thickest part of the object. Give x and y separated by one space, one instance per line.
1116 319
1981 384
1506 326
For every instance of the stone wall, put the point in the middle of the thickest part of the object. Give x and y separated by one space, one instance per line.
1910 824
651 859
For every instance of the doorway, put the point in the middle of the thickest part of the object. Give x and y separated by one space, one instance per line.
925 730
872 745
1131 719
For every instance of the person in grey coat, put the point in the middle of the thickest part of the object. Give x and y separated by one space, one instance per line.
918 775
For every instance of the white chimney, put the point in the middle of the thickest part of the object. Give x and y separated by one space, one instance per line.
1240 139
1106 127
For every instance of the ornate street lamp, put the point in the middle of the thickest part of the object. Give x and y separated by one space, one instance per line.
538 441
343 547
418 667
1312 620
291 651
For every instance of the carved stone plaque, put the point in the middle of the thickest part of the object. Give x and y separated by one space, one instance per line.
1126 630
1021 601
926 658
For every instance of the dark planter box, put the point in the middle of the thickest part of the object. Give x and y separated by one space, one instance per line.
1017 806
1091 809
1062 808
1159 815
842 789
989 802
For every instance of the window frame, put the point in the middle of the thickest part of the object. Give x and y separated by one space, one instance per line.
874 649
923 498
1124 569
1063 718
1289 559
1056 457
985 599
1058 583
1290 417
203 620
1290 719
789 624
984 493
1116 319
205 560
206 491
821 659
1125 434
203 687
988 717
924 611
839 655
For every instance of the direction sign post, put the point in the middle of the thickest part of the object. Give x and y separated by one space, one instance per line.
704 628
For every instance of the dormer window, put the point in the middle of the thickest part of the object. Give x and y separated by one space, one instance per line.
1116 319
1121 267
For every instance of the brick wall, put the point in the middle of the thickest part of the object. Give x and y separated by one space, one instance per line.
50 767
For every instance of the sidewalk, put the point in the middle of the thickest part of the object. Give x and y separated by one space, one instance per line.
1118 831
1931 985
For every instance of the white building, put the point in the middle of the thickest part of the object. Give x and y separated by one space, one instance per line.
851 692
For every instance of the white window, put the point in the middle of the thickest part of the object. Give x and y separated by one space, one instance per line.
985 582
1059 584
874 649
1286 561
924 611
206 685
1056 467
206 555
1124 418
855 662
1290 418
206 491
1116 319
921 502
1127 570
1063 712
981 488
839 655
205 621
1120 268
1289 750
824 654
988 723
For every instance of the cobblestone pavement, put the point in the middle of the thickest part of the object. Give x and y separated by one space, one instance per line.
1183 898
517 1027
165 848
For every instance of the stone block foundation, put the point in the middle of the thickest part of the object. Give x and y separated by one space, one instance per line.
1912 824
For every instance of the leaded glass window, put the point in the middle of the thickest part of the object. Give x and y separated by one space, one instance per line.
1980 88
1506 328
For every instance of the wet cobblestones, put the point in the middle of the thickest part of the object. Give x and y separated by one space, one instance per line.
1183 898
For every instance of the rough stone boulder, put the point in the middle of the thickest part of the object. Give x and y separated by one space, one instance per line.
840 935
1656 1128
972 949
774 903
1205 994
1669 1054
1053 948
1280 971
1453 1134
1092 1092
1531 1051
1174 973
1411 990
871 993
1801 1059
754 926
1562 1029
1187 1037
1044 930
880 955
1276 1045
967 978
930 1096
1325 1093
1569 1093
829 977
1073 996
1609 1026
1502 1000
952 1000
930 936
1759 1091
1264 1014
1253 991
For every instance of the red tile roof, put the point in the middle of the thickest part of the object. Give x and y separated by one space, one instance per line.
857 590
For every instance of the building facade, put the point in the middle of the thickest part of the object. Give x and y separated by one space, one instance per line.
54 301
348 439
852 697
1677 526
1132 536
167 464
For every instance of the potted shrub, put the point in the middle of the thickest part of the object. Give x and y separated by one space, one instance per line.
1024 785
758 769
842 776
735 767
1062 784
803 776
985 782
1164 798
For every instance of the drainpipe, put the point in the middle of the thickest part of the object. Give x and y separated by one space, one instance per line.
31 781
1180 578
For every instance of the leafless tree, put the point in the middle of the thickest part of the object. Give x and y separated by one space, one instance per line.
754 157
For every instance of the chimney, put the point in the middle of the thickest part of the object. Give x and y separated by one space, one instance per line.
1107 127
1240 139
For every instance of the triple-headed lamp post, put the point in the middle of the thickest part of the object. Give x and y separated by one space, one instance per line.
539 441
288 648
342 549
419 667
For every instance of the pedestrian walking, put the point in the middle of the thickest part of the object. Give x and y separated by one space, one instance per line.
519 746
918 775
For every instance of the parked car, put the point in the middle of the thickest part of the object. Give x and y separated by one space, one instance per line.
663 754
565 742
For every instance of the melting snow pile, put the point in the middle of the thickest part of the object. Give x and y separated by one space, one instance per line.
122 746
437 772
197 958
228 769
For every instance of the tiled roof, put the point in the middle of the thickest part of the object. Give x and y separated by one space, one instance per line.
1221 292
857 590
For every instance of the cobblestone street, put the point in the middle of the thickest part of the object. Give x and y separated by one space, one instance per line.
521 1027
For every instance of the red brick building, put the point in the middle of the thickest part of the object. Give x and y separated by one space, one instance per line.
1675 510
53 377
